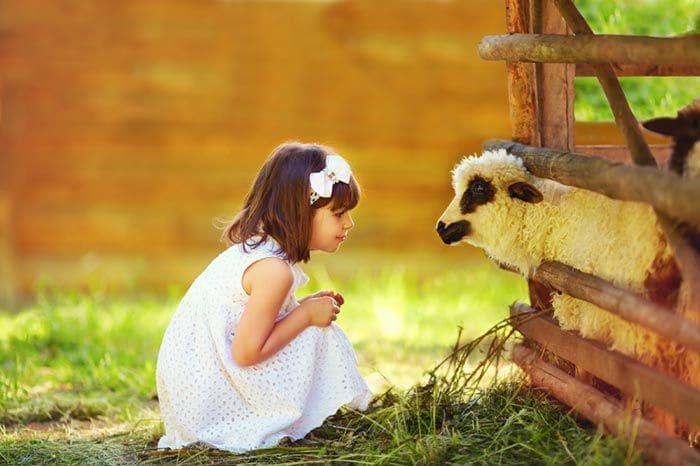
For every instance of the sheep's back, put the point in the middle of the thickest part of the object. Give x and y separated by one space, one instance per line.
614 240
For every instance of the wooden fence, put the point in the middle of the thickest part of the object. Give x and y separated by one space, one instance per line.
543 57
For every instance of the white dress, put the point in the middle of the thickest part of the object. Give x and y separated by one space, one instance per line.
205 397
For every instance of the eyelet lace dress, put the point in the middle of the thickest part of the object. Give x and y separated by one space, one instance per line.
205 397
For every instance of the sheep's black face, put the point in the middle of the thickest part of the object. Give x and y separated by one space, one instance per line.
453 232
479 191
685 130
490 195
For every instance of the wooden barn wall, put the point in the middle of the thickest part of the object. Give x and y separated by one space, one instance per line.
128 126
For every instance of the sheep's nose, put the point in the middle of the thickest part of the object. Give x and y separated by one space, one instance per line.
453 232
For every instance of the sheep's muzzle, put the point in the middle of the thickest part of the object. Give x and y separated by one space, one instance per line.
453 232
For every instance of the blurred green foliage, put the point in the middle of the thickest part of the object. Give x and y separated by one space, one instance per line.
648 96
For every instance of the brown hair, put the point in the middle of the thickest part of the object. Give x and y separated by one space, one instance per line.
277 204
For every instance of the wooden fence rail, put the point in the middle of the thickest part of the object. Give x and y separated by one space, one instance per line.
629 306
666 191
555 48
625 373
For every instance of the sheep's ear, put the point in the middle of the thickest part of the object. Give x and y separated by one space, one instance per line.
664 125
525 192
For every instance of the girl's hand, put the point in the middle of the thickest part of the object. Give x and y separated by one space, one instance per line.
321 311
333 294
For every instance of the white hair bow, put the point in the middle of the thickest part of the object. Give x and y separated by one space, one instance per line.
337 169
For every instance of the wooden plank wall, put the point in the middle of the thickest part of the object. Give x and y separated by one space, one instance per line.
127 127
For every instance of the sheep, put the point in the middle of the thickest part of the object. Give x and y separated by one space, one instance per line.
685 160
520 221
685 130
685 157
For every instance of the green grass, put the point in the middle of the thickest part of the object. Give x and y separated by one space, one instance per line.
648 96
413 318
77 380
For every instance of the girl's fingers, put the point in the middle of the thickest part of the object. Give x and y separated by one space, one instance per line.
337 297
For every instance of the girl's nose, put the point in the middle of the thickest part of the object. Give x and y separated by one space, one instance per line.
348 222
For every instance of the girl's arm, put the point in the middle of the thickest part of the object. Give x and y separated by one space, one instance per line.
258 336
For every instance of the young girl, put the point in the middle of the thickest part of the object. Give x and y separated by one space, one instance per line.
243 364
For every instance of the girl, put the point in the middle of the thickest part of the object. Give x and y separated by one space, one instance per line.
243 364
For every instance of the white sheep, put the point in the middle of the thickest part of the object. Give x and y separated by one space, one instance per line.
520 221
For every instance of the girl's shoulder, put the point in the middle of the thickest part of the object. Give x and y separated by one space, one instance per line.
257 246
247 252
255 249
230 265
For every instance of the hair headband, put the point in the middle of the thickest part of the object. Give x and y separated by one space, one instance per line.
337 169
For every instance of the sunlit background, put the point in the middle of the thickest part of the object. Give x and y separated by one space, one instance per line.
129 129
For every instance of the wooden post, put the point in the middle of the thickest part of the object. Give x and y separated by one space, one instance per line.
522 88
656 445
555 83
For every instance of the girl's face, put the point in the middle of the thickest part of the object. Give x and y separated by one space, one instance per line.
329 228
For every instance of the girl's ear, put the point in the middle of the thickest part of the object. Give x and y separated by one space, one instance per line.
663 125
525 192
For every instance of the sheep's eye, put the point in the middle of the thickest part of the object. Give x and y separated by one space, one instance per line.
478 187
479 192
